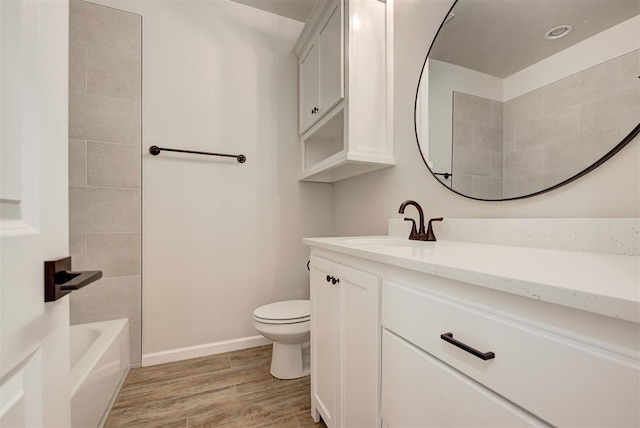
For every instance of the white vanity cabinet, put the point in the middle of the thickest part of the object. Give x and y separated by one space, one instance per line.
562 377
345 345
345 55
503 347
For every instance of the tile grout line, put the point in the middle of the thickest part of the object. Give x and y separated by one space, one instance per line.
86 163
131 100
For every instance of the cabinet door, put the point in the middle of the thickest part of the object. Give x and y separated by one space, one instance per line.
331 61
360 347
309 88
419 390
325 346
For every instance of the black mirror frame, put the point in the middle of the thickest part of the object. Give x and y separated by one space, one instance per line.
626 140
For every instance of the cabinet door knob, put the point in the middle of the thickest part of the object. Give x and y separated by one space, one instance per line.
332 279
314 110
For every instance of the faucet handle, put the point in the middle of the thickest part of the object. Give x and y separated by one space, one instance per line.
414 231
430 235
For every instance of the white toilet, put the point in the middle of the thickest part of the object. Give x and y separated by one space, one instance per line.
288 325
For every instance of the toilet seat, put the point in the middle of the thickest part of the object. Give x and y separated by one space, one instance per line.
286 312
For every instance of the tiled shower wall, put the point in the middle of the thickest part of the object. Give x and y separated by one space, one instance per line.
105 163
545 136
554 132
477 146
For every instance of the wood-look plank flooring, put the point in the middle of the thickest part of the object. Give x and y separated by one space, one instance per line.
225 390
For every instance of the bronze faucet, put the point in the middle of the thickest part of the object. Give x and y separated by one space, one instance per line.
419 234
430 235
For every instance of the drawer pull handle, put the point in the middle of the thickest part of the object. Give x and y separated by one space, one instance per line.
448 337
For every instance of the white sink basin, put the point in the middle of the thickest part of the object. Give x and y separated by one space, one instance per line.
394 246
380 241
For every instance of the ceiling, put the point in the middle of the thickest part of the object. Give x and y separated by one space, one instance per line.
500 37
294 9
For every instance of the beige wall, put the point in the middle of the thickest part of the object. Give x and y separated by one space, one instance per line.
220 238
363 204
104 163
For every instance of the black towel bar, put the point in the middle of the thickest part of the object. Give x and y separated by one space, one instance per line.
155 150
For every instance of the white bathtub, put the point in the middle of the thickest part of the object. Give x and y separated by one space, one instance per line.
99 364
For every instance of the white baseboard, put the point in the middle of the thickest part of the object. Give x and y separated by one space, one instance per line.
178 354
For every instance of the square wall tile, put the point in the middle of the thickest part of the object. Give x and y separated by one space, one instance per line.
509 188
113 75
497 113
462 184
601 79
113 165
509 138
563 93
497 164
106 299
524 162
462 133
78 251
629 119
77 70
471 162
630 64
488 138
104 119
104 28
469 108
524 108
115 254
551 127
135 341
77 163
607 112
578 153
486 187
534 183
98 210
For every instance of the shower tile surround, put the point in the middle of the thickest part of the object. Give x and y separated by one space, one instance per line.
545 136
105 163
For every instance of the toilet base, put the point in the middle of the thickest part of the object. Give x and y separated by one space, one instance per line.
290 361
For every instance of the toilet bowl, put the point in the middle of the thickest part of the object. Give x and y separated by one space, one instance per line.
288 325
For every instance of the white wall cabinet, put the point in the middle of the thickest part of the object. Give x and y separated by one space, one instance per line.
552 365
309 87
322 71
345 53
345 345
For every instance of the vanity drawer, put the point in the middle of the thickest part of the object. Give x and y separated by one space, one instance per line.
419 390
558 379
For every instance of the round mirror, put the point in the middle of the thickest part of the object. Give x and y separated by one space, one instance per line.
519 97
